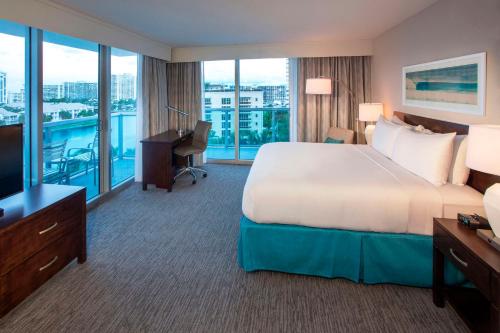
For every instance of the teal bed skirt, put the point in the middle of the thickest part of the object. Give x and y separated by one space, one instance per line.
367 257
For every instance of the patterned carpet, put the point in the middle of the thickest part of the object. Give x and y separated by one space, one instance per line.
166 262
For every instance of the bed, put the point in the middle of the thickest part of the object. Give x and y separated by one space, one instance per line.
318 209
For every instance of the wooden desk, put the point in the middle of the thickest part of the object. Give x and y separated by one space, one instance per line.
479 307
158 163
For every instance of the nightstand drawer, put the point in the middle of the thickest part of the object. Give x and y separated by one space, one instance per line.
461 257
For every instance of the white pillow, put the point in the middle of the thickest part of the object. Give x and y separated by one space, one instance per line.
427 156
384 136
459 172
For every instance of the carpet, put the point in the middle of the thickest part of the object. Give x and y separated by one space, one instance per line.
167 262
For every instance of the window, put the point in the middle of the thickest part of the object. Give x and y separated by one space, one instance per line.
70 112
219 87
123 114
263 111
264 94
12 80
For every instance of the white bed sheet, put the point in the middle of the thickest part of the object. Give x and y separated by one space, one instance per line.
346 187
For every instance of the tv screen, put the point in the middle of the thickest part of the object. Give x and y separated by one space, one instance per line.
11 160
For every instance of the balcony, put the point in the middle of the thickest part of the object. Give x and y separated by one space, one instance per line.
75 143
257 127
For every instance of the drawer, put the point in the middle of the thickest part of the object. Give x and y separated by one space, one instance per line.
29 236
25 278
472 268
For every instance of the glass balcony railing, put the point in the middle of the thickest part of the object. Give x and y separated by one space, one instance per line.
257 127
80 150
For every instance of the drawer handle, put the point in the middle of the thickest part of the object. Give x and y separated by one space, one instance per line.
49 264
48 229
457 258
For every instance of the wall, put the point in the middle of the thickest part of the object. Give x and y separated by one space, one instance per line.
449 28
47 15
286 50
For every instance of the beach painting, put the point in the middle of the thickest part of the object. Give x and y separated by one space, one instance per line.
455 85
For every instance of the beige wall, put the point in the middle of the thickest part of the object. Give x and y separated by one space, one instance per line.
285 50
449 28
47 15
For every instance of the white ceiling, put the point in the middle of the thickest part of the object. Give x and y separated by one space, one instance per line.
225 22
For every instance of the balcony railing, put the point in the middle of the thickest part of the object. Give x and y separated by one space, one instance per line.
257 127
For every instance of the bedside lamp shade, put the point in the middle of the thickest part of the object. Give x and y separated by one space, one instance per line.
483 155
370 111
319 86
483 148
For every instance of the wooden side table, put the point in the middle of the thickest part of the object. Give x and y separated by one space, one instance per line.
480 262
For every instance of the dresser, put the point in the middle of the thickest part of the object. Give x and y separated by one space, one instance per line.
42 230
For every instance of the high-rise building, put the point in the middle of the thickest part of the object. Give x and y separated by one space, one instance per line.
80 90
275 95
53 91
3 88
122 87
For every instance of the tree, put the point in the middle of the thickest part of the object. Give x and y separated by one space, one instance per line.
65 115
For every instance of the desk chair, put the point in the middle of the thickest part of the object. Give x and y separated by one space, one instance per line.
342 134
197 145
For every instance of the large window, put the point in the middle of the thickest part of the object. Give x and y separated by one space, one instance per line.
264 104
70 112
123 114
219 91
12 79
262 112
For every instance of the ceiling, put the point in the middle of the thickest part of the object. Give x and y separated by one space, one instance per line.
181 23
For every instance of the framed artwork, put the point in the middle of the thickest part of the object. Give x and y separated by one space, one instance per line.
455 85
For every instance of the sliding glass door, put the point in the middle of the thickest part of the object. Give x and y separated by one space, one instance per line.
70 112
248 103
123 114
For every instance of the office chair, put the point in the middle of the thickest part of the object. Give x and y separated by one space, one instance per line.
342 134
197 145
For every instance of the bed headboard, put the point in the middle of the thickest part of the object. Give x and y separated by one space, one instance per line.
477 180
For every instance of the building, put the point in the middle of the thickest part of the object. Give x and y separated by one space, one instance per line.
3 88
53 91
219 109
80 90
276 95
8 117
123 87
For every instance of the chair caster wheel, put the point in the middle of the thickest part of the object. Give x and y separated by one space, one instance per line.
205 175
173 181
194 182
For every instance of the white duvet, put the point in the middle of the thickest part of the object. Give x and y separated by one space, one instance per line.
342 186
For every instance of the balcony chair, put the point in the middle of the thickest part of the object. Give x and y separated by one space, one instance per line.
53 155
87 156
341 134
197 145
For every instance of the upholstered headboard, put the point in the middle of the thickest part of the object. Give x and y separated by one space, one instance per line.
477 180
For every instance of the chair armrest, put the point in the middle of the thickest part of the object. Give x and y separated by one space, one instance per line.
79 151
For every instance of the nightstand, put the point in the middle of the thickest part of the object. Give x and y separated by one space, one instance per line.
478 307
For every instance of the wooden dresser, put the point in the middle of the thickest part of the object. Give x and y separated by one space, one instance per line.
42 230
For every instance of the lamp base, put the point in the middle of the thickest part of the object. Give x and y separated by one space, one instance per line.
491 203
369 133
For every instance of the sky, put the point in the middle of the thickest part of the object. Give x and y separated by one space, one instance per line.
60 63
252 71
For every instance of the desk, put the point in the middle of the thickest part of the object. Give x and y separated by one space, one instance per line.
158 163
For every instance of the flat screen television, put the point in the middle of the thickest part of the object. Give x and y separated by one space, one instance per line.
11 160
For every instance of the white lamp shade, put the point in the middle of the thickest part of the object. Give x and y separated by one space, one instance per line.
370 111
483 148
319 86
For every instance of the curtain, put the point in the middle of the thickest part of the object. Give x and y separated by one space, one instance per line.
154 96
317 113
184 93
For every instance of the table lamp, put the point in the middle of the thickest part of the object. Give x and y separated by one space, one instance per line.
483 154
370 112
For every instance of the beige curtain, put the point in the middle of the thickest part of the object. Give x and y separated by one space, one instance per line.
184 93
154 96
317 113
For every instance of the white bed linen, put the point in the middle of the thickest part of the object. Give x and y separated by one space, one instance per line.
350 187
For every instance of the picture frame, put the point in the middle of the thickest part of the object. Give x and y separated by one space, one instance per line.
454 85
